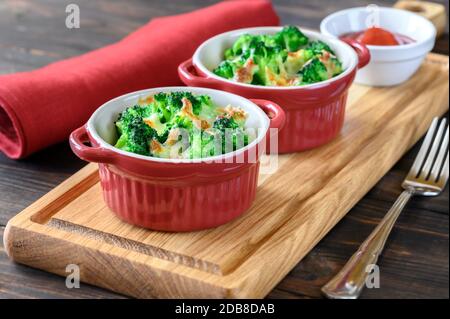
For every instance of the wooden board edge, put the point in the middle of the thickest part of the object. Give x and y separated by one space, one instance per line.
440 59
34 249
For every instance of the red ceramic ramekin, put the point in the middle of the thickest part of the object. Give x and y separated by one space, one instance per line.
171 194
314 112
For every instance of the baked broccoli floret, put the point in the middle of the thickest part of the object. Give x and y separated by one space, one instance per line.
225 70
203 145
200 103
168 104
318 47
162 107
182 122
175 99
313 71
334 67
269 40
268 59
222 123
231 134
291 38
206 108
327 56
296 60
241 45
134 133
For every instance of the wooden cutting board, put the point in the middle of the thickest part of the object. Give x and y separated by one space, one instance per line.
294 208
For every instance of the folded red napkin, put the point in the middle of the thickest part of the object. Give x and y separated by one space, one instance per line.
42 107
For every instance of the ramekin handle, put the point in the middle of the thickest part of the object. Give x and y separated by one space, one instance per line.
275 113
186 72
77 141
361 50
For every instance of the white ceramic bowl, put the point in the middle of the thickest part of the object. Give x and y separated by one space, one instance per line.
389 65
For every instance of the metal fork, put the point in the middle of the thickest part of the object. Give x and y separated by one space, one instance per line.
427 177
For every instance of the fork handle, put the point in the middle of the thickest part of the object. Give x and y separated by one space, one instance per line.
350 281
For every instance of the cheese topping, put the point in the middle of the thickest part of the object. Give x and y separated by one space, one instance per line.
145 101
188 111
154 122
235 112
245 74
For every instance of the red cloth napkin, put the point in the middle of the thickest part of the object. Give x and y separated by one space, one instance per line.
42 107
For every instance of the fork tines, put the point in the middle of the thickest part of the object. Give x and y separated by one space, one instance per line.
432 162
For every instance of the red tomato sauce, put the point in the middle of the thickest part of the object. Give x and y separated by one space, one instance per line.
378 36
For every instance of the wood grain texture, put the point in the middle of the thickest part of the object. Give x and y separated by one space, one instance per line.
32 34
247 257
434 12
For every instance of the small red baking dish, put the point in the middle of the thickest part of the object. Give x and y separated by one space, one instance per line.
314 112
175 194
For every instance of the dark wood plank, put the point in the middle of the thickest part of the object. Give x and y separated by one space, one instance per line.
24 181
32 34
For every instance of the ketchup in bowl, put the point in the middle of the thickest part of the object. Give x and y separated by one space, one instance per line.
378 36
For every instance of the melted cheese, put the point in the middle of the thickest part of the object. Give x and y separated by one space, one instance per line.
245 73
325 58
236 113
280 80
158 149
145 101
188 111
173 136
154 122
295 61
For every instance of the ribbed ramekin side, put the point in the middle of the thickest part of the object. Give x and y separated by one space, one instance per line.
312 127
162 206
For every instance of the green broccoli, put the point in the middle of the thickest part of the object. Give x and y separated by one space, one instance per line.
334 66
222 123
134 133
242 44
199 102
229 54
318 47
230 133
327 57
268 40
161 107
271 58
313 71
225 70
203 145
291 38
207 110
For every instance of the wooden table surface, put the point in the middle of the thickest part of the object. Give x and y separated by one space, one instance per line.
32 34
